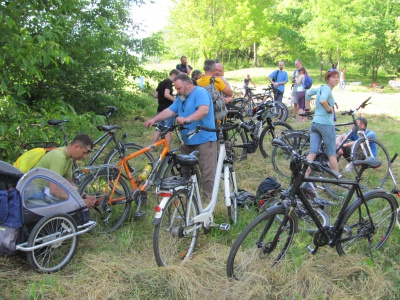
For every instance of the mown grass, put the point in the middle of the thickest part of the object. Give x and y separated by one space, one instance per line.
121 265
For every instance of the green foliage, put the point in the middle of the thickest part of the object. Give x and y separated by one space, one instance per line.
22 124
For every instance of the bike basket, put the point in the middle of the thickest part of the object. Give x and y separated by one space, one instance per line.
172 182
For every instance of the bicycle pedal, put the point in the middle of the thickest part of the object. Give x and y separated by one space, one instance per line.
312 251
139 214
225 226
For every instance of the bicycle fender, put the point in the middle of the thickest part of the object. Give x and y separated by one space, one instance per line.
160 208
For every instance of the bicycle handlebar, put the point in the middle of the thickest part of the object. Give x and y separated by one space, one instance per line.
223 129
362 105
316 164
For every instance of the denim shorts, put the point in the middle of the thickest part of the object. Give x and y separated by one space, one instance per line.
323 132
167 122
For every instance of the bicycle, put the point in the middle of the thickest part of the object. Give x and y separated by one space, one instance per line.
180 214
247 105
300 140
78 174
117 185
251 134
362 225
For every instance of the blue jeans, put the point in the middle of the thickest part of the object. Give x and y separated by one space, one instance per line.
323 132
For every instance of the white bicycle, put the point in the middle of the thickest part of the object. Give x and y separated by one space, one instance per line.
180 215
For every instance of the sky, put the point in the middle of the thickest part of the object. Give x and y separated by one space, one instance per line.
153 16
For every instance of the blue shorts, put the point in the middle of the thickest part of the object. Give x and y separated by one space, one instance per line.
323 132
167 122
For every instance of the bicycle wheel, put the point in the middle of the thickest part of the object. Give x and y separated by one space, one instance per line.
254 246
109 213
281 158
237 140
373 178
174 238
243 105
138 163
267 135
283 112
359 234
53 257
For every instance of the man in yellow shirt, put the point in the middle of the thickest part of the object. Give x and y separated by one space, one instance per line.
209 71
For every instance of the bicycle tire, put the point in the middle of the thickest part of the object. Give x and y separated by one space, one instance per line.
266 136
170 246
358 235
250 249
243 105
138 163
373 178
281 158
56 256
100 185
283 111
237 139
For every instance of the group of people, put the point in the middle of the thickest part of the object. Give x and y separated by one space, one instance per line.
193 106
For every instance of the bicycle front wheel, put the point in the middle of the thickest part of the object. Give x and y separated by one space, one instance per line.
281 157
174 238
269 133
112 208
263 241
373 178
137 164
362 234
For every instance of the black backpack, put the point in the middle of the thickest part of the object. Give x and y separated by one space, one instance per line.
269 184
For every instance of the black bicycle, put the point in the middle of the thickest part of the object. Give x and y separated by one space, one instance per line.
258 131
363 225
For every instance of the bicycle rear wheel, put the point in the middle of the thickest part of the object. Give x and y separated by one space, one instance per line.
109 214
373 178
174 239
359 234
243 105
263 241
281 157
268 134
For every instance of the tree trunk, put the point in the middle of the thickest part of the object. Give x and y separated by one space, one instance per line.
255 54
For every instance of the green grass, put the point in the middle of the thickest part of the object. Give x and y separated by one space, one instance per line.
121 265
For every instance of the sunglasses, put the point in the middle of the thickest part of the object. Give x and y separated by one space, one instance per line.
87 148
332 70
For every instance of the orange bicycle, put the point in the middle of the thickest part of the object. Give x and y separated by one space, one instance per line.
117 186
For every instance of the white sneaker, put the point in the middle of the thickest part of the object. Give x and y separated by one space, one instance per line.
349 167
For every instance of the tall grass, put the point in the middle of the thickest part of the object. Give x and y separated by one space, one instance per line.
121 265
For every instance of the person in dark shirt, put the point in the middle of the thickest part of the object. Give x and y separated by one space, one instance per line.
184 67
165 98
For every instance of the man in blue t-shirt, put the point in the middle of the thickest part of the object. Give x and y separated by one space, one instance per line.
279 78
346 148
194 107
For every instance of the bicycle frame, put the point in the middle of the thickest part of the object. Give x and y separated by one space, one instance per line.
205 217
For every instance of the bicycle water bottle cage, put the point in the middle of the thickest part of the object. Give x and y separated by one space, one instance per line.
188 159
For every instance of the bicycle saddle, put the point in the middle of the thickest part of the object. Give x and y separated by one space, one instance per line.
108 128
188 159
368 163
